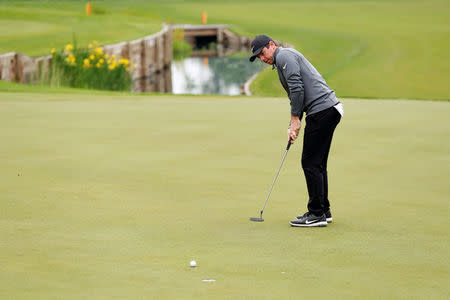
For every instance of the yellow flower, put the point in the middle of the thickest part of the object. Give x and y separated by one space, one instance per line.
124 61
90 46
86 63
112 64
98 65
101 60
106 56
70 59
69 48
92 57
98 51
53 51
128 69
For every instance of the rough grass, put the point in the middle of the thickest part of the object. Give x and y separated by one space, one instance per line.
111 196
373 49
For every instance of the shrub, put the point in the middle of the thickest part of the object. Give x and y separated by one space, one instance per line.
181 49
89 68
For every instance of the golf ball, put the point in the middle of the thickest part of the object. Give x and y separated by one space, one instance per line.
193 263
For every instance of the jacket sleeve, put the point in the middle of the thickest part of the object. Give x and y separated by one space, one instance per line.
290 69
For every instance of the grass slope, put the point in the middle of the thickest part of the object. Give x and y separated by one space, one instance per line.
111 196
374 49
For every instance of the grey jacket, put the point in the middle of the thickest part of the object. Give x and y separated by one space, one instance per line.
307 90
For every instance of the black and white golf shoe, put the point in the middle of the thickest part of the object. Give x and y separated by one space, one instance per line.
309 220
327 215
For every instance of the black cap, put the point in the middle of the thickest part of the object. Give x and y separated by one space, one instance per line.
258 43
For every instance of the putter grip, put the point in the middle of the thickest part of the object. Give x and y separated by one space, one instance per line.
289 144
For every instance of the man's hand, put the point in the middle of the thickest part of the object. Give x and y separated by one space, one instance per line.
294 128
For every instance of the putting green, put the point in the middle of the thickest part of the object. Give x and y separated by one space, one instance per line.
112 196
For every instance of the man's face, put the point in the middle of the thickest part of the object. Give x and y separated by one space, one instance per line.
266 55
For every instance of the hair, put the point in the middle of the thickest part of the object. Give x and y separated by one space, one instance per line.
268 45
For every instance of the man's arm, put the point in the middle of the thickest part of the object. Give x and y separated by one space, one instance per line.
291 72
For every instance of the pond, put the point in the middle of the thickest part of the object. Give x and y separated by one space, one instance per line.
212 75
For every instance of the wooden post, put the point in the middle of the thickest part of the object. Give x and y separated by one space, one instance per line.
25 68
168 79
220 46
168 46
136 54
150 56
8 67
149 64
160 82
159 52
43 67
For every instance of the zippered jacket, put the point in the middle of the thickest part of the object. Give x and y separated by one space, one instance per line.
307 90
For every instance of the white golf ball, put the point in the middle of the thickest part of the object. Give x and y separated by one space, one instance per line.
193 263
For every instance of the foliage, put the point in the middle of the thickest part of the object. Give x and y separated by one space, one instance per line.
89 68
181 49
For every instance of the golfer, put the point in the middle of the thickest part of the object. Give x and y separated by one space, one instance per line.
308 93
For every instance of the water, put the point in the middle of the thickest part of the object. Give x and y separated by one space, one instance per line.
212 75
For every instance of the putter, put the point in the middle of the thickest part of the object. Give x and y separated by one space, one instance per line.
260 219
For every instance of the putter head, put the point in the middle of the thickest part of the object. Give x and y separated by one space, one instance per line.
260 219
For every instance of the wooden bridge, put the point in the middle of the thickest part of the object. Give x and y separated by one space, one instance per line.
201 36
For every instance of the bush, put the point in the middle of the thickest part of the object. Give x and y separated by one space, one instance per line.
89 68
181 49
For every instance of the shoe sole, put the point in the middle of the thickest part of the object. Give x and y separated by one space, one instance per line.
317 224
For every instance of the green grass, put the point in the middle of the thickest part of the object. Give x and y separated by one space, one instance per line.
370 49
35 27
110 196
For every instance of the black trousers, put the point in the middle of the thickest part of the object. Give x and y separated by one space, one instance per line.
317 138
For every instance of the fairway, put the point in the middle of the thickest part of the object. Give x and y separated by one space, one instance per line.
111 196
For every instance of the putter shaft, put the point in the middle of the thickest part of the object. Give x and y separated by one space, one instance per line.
275 179
260 219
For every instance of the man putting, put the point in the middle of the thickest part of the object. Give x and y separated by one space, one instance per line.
308 93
